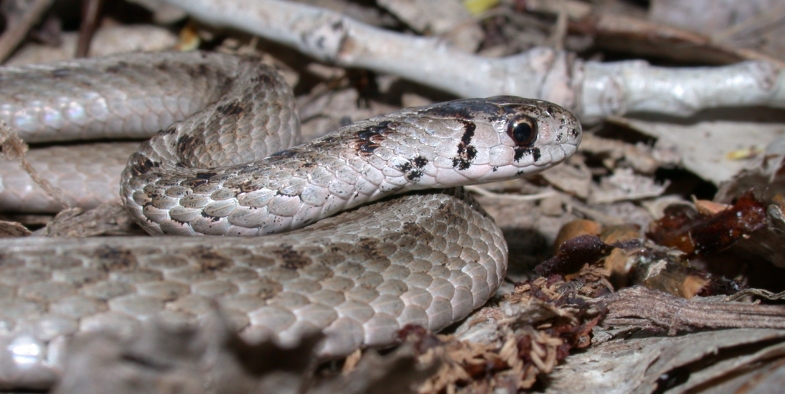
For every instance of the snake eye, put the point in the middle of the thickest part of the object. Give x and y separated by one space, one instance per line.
523 131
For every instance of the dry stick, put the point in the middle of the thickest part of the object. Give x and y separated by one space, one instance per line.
639 306
591 89
14 148
16 32
91 11
509 196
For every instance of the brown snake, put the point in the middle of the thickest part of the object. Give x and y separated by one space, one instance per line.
228 168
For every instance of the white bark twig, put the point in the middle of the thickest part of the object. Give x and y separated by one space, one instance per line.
591 89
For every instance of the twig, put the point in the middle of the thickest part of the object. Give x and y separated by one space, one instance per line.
512 197
591 89
12 147
91 11
650 308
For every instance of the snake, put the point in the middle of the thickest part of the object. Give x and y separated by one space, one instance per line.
367 228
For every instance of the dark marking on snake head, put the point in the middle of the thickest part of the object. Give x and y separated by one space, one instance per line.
520 152
468 133
292 259
466 152
230 109
465 156
494 168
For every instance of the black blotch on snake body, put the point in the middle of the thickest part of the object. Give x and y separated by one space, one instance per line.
115 259
194 182
212 218
209 259
466 152
420 162
280 193
188 143
141 164
292 259
369 138
205 175
414 175
230 109
413 169
169 130
365 249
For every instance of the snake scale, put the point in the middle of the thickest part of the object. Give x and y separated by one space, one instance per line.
225 162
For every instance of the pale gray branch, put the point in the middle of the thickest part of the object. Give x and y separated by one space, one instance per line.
591 89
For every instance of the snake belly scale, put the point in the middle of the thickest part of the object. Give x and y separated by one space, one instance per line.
225 163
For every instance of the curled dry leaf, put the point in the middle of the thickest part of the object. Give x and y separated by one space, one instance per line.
699 234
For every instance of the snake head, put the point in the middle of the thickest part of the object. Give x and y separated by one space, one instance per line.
496 138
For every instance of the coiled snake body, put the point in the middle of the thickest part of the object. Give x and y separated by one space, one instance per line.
425 257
